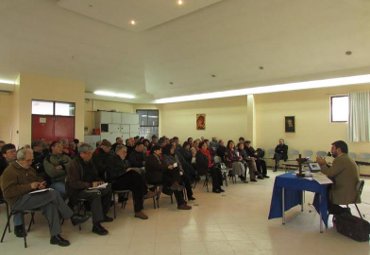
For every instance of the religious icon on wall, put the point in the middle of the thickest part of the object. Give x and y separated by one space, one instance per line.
289 124
201 121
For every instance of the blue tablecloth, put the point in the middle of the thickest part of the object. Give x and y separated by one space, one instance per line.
294 186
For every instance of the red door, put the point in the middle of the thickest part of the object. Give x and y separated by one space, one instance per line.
51 128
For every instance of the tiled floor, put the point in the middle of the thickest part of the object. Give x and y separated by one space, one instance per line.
231 223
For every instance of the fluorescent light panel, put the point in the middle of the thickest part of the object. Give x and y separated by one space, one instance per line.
9 82
333 82
113 94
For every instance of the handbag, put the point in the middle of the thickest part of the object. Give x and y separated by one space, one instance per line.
353 227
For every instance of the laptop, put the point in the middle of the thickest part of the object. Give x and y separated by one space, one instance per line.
314 167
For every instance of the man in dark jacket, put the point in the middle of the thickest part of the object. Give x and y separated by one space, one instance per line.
83 182
281 153
101 157
137 156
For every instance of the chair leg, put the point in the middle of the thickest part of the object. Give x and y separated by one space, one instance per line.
24 229
32 221
8 214
6 226
114 204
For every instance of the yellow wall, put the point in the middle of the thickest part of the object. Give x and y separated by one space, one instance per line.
311 109
48 88
225 118
6 113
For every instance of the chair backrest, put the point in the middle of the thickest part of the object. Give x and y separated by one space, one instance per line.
293 154
363 156
352 155
321 153
307 153
270 153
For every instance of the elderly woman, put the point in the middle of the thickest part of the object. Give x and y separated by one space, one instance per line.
160 173
234 160
170 158
204 165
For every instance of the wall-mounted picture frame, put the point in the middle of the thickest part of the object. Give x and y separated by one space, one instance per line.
200 121
289 124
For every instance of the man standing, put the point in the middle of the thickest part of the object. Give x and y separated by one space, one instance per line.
18 180
82 183
345 176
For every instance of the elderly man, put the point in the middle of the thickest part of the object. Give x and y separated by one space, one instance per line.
345 176
83 182
19 180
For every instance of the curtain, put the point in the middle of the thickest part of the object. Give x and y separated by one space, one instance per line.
359 117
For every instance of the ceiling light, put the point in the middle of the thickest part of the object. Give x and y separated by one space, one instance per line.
180 2
7 82
133 22
333 82
113 94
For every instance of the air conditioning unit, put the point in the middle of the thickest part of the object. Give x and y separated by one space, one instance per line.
6 87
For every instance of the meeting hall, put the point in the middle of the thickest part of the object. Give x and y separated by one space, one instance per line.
183 126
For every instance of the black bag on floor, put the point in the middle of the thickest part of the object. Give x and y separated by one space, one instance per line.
356 228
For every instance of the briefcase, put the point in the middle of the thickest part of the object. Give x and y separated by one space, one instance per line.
354 227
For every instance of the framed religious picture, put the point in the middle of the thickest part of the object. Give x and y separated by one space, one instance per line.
289 124
200 121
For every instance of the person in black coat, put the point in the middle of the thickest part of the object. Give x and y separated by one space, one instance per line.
122 177
281 153
159 173
137 156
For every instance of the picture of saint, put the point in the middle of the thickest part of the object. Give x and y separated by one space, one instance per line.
201 121
289 124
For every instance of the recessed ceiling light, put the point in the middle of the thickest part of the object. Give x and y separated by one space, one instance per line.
180 2
261 67
213 75
171 82
348 52
133 22
90 5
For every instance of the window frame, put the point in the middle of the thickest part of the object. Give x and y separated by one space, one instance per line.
331 109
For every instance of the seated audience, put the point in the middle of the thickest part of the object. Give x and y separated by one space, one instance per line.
38 159
281 153
204 165
122 177
249 161
221 150
8 155
137 156
82 175
258 157
18 180
56 166
101 157
159 173
170 158
233 160
345 176
119 141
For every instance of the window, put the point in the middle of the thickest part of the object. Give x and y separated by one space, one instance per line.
53 108
42 107
149 121
339 108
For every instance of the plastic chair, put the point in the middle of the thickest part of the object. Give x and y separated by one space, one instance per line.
359 188
307 154
321 153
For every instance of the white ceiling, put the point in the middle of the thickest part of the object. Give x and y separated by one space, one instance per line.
91 40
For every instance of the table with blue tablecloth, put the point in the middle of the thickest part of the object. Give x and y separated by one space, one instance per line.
293 188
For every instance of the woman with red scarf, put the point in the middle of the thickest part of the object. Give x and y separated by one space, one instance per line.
204 165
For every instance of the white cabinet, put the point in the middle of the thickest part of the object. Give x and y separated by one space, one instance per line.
125 129
117 124
116 117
